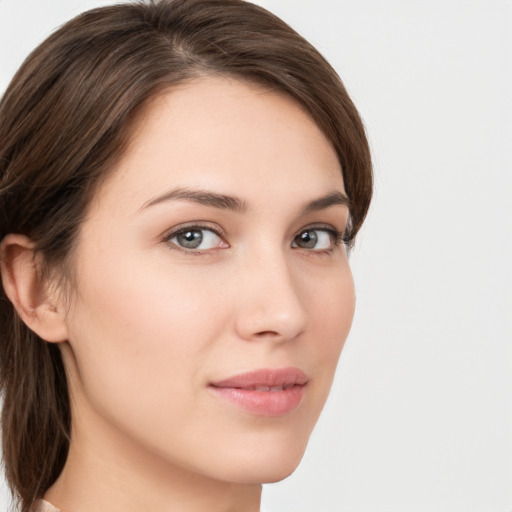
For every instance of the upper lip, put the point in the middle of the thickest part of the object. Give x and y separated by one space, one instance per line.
265 377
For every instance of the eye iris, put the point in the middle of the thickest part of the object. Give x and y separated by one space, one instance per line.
190 239
308 239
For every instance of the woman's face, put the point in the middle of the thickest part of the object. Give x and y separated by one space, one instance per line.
213 294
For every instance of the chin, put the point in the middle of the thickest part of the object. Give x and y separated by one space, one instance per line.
269 465
278 476
264 453
273 472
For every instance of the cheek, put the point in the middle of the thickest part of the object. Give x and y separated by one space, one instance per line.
332 305
140 332
139 324
332 311
338 314
146 333
141 345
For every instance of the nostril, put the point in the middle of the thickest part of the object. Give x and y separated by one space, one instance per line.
267 333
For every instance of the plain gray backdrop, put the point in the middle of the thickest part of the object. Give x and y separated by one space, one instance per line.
420 417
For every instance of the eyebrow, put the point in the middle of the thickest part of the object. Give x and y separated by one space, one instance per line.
226 202
204 197
331 199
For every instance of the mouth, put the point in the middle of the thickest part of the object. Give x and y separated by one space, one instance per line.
267 388
265 392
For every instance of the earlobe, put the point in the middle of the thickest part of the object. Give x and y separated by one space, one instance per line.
26 289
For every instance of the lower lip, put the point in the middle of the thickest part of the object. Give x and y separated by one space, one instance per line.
263 403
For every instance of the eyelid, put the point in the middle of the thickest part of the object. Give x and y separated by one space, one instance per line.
193 226
322 227
338 237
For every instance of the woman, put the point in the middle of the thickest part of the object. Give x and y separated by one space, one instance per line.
180 182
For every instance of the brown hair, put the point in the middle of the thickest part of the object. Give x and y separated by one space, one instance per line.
65 119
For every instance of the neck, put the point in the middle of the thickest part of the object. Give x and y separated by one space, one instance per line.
105 470
98 479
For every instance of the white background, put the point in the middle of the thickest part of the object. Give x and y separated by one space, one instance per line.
420 418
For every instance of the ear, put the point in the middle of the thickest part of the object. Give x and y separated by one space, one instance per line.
26 289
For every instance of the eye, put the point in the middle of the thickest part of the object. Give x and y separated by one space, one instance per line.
198 238
319 239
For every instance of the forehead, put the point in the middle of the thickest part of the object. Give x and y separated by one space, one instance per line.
234 137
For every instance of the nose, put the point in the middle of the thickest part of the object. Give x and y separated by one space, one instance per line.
271 305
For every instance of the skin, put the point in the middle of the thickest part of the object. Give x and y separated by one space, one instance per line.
152 324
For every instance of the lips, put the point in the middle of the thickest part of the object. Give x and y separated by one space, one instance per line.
265 392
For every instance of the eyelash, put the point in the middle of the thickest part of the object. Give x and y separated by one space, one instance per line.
337 237
191 227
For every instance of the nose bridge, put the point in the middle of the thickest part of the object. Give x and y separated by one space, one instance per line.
271 305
